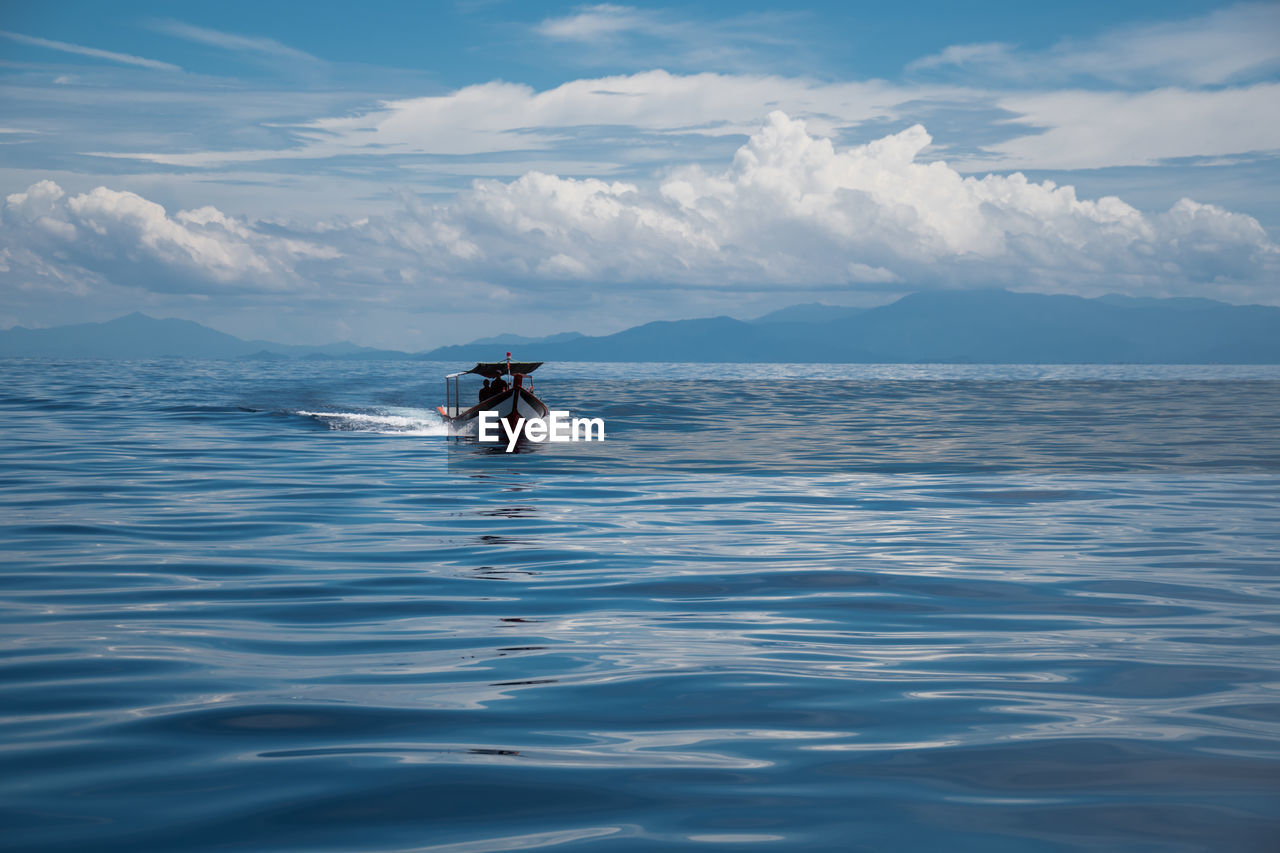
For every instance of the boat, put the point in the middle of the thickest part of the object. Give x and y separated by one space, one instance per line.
516 402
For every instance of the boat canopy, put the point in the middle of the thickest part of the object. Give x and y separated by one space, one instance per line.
494 369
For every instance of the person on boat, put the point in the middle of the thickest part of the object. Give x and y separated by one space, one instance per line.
485 391
498 386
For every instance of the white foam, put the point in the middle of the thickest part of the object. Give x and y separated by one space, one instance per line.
384 422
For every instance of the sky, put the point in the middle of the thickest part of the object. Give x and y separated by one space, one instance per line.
412 174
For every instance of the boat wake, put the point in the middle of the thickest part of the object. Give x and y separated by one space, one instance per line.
386 421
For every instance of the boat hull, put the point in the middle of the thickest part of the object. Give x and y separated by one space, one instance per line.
511 405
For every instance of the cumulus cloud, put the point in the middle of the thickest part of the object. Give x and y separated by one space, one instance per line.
105 234
791 210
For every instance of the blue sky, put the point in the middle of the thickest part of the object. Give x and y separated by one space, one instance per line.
408 174
455 44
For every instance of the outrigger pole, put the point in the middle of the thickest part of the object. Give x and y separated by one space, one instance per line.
456 396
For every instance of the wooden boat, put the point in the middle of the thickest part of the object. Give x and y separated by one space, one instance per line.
517 401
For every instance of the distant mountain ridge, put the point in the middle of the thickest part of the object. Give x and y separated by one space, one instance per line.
810 312
505 340
991 326
965 327
137 335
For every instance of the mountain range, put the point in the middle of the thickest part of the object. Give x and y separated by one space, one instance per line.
137 335
981 327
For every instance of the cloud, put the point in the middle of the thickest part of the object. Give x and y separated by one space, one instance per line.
107 234
607 34
790 211
505 117
1227 45
1139 95
635 118
593 23
1082 129
111 56
794 210
260 45
975 54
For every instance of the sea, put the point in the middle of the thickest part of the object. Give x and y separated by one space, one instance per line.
275 606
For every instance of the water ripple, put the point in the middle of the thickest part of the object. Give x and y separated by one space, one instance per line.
274 607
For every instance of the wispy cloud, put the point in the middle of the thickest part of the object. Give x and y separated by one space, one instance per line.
1082 129
109 55
509 117
581 119
608 33
259 45
985 53
593 23
1225 46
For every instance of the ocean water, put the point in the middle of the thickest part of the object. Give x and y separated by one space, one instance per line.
274 607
